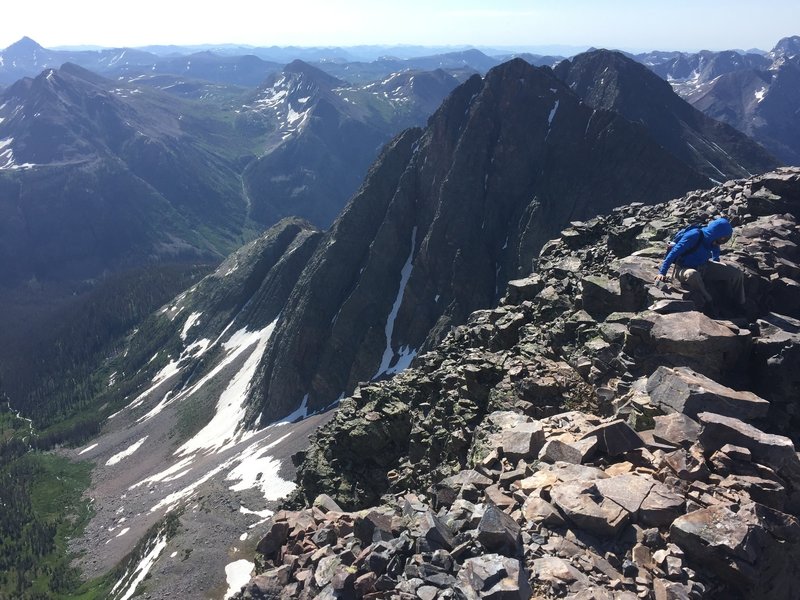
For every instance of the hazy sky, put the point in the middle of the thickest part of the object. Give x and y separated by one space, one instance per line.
626 24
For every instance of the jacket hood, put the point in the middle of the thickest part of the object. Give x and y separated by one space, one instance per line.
718 228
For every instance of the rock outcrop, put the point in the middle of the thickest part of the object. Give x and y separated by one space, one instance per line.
613 443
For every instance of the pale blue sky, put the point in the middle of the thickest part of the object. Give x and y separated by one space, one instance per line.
626 24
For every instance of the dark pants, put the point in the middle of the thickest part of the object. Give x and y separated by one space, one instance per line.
696 279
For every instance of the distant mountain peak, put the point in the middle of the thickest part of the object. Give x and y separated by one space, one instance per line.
300 67
24 44
787 47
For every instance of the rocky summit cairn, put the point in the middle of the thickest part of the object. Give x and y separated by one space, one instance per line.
593 437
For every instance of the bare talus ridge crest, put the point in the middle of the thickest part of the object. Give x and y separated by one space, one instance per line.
591 436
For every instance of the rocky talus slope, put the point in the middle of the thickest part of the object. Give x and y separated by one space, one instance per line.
592 437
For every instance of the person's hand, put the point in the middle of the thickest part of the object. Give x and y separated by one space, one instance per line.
660 278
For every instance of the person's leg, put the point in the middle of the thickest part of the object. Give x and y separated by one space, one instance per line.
694 281
730 276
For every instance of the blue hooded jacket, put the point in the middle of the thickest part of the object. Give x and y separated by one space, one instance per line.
718 228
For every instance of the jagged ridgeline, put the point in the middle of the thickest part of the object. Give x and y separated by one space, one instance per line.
448 214
593 436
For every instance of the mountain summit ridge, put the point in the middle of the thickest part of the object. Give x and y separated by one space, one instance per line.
504 164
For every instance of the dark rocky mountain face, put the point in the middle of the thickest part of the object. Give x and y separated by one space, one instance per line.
322 134
735 88
591 436
444 218
761 103
612 81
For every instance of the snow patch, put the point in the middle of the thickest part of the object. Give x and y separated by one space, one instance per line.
141 570
173 499
552 116
760 94
300 413
87 449
294 116
176 471
221 431
237 574
405 274
258 471
263 514
125 453
190 322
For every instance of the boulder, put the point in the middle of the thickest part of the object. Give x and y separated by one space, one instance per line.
755 548
272 541
775 451
636 274
776 353
539 510
326 504
676 429
647 500
615 437
520 290
688 465
588 509
523 440
556 450
498 532
600 295
434 532
558 572
495 577
691 339
685 391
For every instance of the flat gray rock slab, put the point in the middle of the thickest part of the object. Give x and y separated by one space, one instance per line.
775 451
676 429
588 509
685 391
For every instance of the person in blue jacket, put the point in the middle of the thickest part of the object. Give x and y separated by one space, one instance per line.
697 263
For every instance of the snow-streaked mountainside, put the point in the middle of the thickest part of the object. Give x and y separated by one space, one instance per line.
321 134
101 177
174 445
758 94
